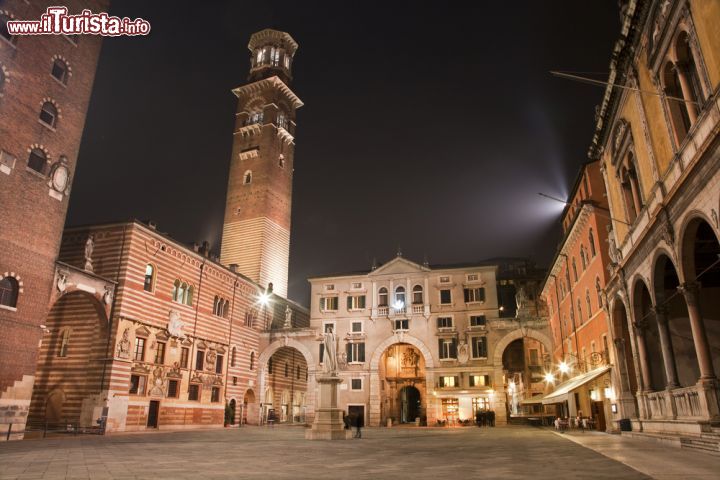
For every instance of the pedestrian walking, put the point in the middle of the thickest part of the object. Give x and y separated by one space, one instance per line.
477 418
358 425
491 417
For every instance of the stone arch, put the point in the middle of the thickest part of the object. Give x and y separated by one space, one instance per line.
686 238
268 352
510 337
375 361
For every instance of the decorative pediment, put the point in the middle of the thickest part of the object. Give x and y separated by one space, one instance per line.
399 265
140 368
220 349
202 345
186 342
142 331
162 336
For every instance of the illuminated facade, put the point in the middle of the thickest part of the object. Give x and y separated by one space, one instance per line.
573 291
657 143
429 343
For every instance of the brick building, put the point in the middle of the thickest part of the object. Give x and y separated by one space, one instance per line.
181 341
45 86
573 290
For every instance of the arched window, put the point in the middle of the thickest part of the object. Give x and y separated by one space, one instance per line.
181 292
270 366
282 121
49 114
591 239
399 297
189 295
226 309
252 360
688 70
417 295
60 71
9 289
676 105
37 160
64 343
149 284
598 290
574 267
589 305
247 177
383 297
4 32
631 188
233 356
583 260
579 308
175 291
216 310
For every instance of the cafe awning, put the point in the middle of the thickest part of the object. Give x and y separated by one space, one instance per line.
560 394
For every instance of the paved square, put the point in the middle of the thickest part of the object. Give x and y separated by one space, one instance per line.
282 452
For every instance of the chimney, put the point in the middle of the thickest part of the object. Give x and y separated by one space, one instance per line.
205 249
233 267
196 247
152 224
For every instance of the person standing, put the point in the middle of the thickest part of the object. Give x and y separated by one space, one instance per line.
358 425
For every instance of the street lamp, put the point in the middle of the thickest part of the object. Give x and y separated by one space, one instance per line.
564 367
549 377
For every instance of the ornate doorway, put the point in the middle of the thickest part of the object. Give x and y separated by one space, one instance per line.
409 404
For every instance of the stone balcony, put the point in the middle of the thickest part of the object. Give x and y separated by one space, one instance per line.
685 409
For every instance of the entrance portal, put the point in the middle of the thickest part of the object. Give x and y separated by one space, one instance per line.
409 404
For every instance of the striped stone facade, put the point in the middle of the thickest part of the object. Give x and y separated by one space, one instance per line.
184 337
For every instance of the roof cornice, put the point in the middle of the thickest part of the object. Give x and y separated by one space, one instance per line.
273 81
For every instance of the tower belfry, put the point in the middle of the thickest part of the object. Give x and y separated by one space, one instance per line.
256 229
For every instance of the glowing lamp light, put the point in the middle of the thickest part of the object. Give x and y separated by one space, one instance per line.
549 377
593 395
398 305
564 367
609 393
264 298
501 308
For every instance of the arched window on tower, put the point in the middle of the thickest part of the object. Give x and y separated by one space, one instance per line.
399 298
37 160
589 305
4 32
226 309
60 71
188 299
9 290
591 239
583 257
247 177
252 360
574 267
49 114
598 291
233 356
579 309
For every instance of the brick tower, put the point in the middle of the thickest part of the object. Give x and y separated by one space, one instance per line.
256 229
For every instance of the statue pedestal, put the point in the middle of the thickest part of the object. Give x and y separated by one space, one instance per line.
328 423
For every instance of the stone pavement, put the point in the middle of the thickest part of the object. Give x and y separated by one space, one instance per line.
650 457
282 452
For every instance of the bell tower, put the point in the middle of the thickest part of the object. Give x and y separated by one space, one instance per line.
256 229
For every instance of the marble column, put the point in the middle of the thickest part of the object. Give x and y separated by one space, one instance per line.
666 346
645 377
690 291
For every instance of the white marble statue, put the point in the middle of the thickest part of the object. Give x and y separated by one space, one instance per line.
330 365
288 317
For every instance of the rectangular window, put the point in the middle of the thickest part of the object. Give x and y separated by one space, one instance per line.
219 363
472 277
534 357
403 324
139 349
479 380
329 327
322 352
444 279
137 384
444 322
479 347
473 295
449 382
194 393
447 348
357 285
215 394
160 353
184 355
199 359
330 287
355 352
356 302
356 384
328 304
478 321
445 297
356 327
173 388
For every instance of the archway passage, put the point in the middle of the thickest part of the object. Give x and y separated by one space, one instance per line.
673 305
249 409
701 268
523 366
642 306
623 347
409 404
402 384
70 361
286 380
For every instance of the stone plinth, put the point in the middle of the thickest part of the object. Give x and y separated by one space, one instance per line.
328 423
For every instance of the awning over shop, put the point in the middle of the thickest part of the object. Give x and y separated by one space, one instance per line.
532 401
560 394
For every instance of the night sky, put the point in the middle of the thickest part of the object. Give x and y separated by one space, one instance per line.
428 128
